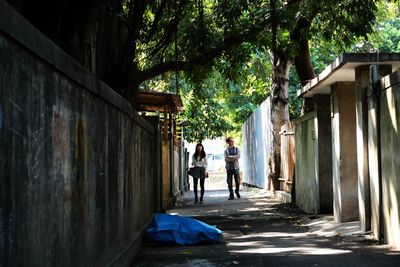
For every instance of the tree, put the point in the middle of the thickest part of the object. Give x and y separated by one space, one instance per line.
386 35
127 42
294 24
220 104
154 37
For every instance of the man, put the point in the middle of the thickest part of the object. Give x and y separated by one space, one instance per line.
232 155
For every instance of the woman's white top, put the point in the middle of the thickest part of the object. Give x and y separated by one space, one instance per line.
199 162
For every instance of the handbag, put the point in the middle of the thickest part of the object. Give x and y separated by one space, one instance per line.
190 171
205 174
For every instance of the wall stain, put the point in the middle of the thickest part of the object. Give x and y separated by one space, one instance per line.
16 105
1 118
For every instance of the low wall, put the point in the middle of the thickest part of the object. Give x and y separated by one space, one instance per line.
77 183
256 139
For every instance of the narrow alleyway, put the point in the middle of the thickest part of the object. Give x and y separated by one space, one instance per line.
259 231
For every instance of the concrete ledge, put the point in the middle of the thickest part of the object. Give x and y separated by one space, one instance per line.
284 196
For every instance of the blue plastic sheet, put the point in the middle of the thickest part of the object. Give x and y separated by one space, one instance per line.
182 230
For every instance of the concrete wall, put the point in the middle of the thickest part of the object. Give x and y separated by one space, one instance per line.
390 149
362 83
307 180
77 183
366 133
256 139
314 158
321 105
372 145
344 152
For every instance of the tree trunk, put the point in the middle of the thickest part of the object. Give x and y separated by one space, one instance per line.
279 113
305 71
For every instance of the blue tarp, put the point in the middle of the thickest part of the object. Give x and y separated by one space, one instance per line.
181 230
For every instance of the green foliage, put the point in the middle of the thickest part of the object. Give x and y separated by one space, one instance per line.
294 102
386 36
342 22
248 88
204 114
220 94
218 103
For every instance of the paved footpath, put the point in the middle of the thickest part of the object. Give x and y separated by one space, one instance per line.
259 231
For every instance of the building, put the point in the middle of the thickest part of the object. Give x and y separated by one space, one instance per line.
346 146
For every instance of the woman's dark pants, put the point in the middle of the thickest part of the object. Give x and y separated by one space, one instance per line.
195 182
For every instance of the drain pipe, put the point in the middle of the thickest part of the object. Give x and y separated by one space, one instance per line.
376 93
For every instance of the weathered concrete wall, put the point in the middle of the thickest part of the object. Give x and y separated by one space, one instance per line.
362 83
256 139
344 152
375 181
390 149
373 165
307 180
366 139
322 106
76 164
314 159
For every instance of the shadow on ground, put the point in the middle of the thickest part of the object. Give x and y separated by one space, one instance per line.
259 231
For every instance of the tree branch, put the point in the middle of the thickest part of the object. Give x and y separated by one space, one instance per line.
170 30
157 18
202 59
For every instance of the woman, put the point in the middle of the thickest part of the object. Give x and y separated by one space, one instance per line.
199 161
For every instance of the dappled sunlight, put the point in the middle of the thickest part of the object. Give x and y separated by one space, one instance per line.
393 253
256 228
216 195
250 209
248 244
262 203
293 250
266 243
336 160
328 227
391 106
270 235
390 165
392 223
265 250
